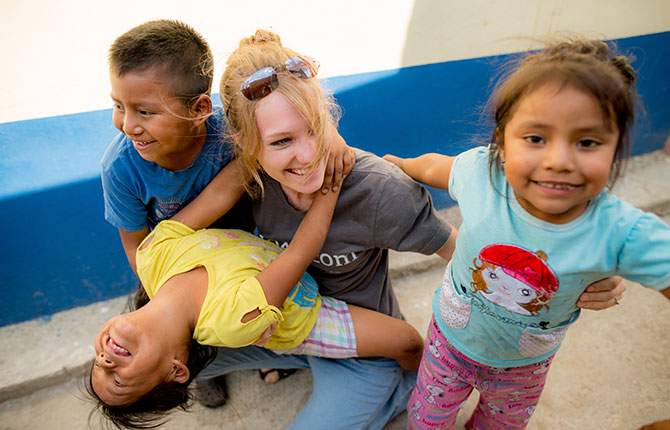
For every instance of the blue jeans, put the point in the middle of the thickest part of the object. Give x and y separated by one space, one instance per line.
347 393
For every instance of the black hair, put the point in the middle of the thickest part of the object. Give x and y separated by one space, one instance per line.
152 409
174 49
592 66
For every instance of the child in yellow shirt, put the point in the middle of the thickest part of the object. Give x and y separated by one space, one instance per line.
228 288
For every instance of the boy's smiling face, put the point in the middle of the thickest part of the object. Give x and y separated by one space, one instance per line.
155 121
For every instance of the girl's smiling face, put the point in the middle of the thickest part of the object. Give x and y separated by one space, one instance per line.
558 152
128 362
288 149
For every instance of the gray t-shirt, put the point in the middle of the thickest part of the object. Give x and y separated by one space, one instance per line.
379 208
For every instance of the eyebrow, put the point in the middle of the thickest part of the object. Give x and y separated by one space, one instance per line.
275 137
112 385
601 128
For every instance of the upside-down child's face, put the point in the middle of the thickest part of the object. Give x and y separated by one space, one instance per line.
155 121
128 362
558 152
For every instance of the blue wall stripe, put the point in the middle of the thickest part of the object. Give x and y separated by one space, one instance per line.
59 252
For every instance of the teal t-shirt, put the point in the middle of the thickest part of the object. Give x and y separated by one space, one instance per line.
509 292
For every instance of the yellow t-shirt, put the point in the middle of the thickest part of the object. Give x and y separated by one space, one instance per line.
232 259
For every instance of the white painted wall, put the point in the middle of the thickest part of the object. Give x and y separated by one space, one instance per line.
53 54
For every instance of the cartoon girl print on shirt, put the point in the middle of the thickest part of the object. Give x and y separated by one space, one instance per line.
514 278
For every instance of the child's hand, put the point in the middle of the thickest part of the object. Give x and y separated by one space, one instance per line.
340 161
393 159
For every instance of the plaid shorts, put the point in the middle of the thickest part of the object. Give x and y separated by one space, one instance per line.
333 334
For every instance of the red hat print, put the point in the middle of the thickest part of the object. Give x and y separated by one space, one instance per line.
521 264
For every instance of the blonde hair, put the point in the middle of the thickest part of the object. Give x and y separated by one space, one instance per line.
264 49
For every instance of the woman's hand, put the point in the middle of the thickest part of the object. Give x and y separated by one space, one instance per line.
602 294
340 161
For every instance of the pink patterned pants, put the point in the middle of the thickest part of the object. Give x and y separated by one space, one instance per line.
508 396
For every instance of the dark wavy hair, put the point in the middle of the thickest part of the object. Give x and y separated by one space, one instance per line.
592 66
152 409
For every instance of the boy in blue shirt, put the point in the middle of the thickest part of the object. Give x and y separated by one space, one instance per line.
170 145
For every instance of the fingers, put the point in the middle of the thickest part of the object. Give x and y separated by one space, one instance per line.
265 337
328 176
337 168
615 284
391 159
603 294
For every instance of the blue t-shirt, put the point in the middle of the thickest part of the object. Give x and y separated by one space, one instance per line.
509 293
138 193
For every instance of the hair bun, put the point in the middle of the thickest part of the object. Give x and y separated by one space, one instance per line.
622 64
261 36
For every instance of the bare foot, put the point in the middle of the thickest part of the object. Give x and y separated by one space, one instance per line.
270 376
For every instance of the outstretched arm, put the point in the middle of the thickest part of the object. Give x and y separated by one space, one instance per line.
279 278
215 200
429 169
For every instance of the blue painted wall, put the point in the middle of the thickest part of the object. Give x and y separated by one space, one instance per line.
59 252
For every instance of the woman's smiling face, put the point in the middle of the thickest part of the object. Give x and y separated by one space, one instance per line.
288 148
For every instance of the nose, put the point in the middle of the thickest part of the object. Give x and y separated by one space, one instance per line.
104 361
559 156
127 123
306 150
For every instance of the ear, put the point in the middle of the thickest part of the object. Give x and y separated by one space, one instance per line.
201 109
236 140
180 372
501 147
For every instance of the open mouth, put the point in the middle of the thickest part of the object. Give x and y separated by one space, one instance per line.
305 171
557 186
116 348
300 172
142 145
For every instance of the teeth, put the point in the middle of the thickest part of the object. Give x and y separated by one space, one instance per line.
557 186
117 348
299 171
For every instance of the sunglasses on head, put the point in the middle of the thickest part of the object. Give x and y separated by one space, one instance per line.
262 82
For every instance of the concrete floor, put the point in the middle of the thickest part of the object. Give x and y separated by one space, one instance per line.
612 372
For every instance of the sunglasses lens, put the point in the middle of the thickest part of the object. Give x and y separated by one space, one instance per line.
300 68
260 84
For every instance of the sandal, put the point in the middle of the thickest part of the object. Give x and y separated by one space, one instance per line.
211 393
283 373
